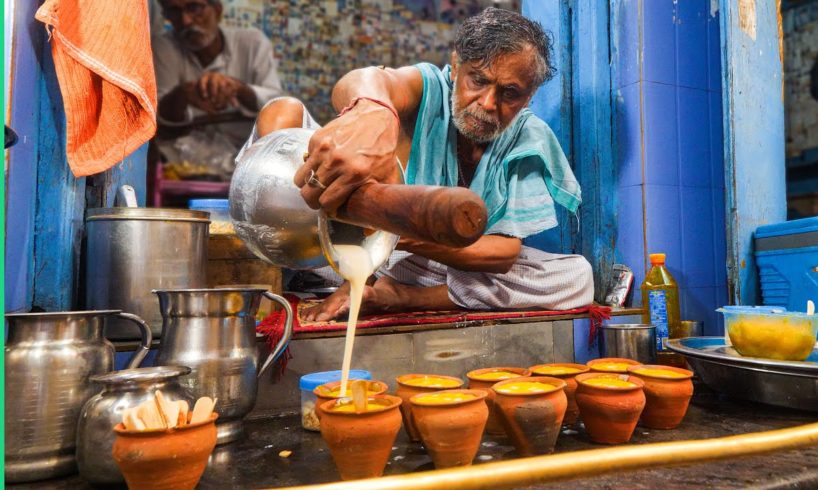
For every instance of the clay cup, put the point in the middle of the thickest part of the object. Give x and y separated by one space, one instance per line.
451 432
572 412
667 399
493 426
610 414
322 392
406 391
532 420
360 443
171 459
597 365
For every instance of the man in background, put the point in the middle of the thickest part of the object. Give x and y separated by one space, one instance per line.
211 74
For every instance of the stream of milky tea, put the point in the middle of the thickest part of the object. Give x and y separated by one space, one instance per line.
354 265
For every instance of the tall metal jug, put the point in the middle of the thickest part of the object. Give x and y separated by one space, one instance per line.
213 331
49 359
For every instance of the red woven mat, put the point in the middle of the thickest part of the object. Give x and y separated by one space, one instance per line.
273 326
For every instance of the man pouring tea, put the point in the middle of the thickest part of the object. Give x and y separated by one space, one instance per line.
466 125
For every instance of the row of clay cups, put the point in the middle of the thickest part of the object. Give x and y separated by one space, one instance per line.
619 393
531 420
545 412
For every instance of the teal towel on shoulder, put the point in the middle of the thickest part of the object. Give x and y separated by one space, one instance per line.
520 176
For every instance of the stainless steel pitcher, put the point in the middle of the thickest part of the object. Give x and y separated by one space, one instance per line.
120 390
273 220
213 331
49 359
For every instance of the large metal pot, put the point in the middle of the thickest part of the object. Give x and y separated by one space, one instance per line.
120 390
213 331
132 251
273 220
49 359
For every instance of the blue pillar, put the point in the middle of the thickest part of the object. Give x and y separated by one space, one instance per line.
577 106
754 134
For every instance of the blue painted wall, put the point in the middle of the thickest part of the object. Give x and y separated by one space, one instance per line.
637 106
754 134
666 68
45 203
21 160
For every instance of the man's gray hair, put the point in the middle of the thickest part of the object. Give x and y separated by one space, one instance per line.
495 32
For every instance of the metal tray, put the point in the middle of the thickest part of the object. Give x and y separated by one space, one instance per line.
789 384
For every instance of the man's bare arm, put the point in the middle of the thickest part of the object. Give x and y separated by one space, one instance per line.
359 146
491 253
401 87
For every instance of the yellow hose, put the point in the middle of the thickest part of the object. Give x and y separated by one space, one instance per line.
577 464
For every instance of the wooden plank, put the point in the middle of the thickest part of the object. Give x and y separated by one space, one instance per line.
753 134
60 203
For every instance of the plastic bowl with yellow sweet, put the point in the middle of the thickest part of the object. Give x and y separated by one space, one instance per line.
770 333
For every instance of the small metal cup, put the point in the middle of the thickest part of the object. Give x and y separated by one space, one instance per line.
691 328
629 340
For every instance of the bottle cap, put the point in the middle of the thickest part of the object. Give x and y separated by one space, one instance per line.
657 259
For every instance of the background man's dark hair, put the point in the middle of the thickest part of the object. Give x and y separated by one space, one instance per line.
495 32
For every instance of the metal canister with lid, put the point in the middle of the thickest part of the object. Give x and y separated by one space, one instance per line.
131 251
120 390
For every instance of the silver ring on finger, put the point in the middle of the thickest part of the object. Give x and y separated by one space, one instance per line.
313 181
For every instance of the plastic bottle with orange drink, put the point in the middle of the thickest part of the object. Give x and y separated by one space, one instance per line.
660 303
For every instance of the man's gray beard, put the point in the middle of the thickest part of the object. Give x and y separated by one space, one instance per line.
207 41
459 118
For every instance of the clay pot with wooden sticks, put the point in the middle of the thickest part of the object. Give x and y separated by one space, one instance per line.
451 424
410 385
566 372
531 412
484 379
359 434
331 391
610 405
667 391
171 459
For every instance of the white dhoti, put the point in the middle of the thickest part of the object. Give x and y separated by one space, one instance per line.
537 280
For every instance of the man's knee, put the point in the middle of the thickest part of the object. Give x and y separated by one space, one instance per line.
282 113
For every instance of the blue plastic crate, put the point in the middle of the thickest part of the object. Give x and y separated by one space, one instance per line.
787 258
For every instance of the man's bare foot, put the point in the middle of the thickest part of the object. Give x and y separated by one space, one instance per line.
385 296
334 306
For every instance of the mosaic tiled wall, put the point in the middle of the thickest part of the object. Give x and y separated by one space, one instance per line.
318 41
800 55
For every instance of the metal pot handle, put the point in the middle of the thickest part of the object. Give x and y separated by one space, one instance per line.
288 330
144 344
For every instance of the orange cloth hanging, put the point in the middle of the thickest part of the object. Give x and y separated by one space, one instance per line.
102 55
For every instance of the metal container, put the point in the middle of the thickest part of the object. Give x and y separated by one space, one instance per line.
691 328
629 340
131 251
791 384
273 220
120 390
213 331
49 359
